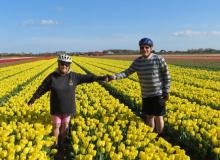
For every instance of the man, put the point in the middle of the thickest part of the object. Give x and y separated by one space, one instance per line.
155 81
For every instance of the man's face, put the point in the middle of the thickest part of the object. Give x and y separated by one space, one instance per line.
145 50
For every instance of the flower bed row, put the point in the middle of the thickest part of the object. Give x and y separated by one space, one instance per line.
202 136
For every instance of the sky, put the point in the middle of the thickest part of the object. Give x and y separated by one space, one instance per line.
94 25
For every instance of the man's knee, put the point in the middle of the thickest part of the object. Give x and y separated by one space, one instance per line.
159 119
159 124
149 118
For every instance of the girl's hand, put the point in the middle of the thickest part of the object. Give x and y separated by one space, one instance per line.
29 104
111 77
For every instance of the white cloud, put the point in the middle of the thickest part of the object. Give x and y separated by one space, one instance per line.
40 22
28 22
190 33
216 33
48 22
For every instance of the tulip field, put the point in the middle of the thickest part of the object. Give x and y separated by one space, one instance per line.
107 124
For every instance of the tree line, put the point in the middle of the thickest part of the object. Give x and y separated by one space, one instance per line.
112 52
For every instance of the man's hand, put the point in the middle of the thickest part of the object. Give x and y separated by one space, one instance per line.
102 78
165 96
105 78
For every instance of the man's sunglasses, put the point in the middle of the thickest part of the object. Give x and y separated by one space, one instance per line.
64 64
144 47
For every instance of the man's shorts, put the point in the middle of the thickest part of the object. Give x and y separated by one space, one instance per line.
154 106
58 119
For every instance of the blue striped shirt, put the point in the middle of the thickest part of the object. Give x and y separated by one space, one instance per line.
153 75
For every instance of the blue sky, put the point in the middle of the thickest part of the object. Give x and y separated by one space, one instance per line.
95 25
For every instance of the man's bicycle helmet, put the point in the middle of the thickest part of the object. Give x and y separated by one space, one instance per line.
146 41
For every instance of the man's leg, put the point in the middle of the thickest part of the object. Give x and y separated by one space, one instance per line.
159 124
150 121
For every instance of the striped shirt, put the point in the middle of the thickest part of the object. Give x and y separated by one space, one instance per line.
153 75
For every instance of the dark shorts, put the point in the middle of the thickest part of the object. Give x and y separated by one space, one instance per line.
154 106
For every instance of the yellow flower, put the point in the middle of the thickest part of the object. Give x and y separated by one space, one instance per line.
108 146
75 148
53 151
121 147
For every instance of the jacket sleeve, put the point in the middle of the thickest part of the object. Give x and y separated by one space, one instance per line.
42 89
165 76
126 72
88 78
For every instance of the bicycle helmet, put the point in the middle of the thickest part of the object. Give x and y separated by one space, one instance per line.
64 58
146 41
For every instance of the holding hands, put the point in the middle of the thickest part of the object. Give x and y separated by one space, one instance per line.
107 78
111 77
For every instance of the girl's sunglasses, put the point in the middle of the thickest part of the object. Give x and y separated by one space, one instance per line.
64 64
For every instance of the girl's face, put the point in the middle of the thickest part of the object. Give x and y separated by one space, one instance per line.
145 50
63 67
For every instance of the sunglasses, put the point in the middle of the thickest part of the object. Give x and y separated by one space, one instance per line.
64 64
144 47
